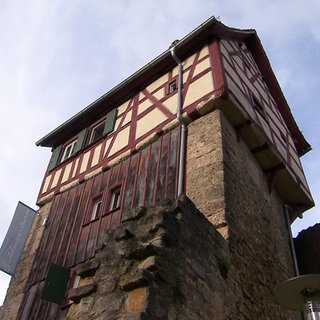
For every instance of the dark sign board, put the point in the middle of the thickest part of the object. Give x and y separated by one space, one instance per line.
56 283
16 238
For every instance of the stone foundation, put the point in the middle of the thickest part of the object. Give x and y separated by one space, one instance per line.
166 262
227 184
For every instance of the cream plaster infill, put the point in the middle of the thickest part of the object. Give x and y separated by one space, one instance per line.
46 183
205 64
204 52
144 105
106 147
56 178
96 155
159 94
171 103
85 160
76 164
121 141
150 121
66 173
199 88
158 83
187 63
126 120
123 107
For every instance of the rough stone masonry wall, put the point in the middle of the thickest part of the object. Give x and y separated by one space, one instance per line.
205 169
15 292
233 193
166 262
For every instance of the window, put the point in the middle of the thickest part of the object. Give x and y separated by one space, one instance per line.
97 132
61 153
69 150
172 86
115 199
96 209
114 207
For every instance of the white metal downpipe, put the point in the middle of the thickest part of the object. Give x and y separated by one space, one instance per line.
182 124
291 243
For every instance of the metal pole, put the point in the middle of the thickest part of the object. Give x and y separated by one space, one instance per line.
183 125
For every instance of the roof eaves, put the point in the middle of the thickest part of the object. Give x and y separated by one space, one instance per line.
211 27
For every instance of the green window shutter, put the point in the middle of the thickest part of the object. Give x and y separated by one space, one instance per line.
54 157
81 140
55 286
110 121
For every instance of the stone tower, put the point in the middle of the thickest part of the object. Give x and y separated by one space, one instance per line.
164 198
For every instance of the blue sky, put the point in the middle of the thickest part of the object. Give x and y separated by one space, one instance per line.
58 56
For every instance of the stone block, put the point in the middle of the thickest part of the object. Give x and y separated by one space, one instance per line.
137 300
87 269
107 284
76 294
143 250
148 264
134 214
108 305
122 233
133 280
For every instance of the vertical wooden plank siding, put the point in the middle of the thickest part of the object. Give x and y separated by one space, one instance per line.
70 249
173 163
129 192
28 300
152 174
161 176
145 178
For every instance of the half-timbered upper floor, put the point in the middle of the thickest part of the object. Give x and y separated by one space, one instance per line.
223 68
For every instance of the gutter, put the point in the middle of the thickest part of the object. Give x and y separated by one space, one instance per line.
183 133
291 243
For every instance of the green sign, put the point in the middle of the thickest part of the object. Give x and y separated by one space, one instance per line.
56 284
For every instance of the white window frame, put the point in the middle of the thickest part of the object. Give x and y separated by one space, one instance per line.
68 150
173 86
96 209
115 199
